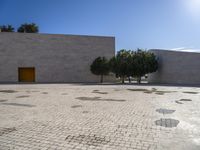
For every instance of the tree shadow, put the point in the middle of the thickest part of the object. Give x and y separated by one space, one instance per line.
3 100
98 92
23 96
76 106
190 92
99 99
17 104
153 90
8 91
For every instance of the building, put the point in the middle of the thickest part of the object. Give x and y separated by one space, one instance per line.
49 58
176 67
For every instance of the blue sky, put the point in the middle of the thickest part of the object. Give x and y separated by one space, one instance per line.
166 24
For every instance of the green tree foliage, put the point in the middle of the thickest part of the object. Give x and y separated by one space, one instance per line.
28 28
120 64
144 62
100 66
139 63
152 63
133 64
6 28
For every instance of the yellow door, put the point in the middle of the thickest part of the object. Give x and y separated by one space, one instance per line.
26 74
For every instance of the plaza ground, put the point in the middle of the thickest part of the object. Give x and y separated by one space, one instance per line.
81 117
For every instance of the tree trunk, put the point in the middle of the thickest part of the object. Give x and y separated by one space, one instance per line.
123 79
139 80
101 80
129 79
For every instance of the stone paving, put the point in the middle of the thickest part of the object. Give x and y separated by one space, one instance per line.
96 117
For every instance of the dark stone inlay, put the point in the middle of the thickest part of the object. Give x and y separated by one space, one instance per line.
178 102
148 92
165 111
76 106
85 112
167 122
64 93
23 96
88 98
95 90
98 92
113 100
91 140
153 90
117 90
185 100
3 100
8 91
160 93
44 92
32 91
191 92
99 99
17 104
6 130
138 90
165 91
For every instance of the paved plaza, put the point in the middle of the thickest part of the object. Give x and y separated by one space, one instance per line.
95 117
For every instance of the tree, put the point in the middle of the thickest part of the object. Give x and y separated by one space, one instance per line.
152 62
100 66
130 66
7 28
28 28
139 65
144 62
120 64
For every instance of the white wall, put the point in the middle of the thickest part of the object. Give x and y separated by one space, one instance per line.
56 58
177 68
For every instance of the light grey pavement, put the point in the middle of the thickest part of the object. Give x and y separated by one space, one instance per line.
81 117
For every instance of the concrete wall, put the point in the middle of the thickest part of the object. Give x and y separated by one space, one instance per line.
56 58
177 68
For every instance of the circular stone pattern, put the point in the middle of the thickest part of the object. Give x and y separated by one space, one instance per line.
167 122
165 111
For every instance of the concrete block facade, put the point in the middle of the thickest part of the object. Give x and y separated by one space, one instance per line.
56 58
176 67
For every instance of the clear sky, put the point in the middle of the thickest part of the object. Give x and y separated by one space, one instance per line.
166 24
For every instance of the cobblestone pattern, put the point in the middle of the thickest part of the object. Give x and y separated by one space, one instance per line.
64 122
